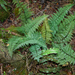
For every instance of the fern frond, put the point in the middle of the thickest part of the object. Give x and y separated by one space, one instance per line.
31 27
35 38
50 51
38 53
12 43
46 32
35 52
65 55
34 24
3 3
21 30
23 41
50 70
24 12
58 17
16 1
65 29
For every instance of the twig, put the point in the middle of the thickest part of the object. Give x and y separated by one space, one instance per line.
1 69
13 33
41 12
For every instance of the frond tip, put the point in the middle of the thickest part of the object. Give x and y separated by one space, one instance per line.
46 32
65 55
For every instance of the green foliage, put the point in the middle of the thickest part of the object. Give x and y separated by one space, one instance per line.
57 17
50 51
4 73
31 27
35 52
16 1
27 29
22 41
62 27
24 12
30 38
66 54
46 32
38 53
3 3
60 31
65 29
50 69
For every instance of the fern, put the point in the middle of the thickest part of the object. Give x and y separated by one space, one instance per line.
12 43
3 3
65 29
61 36
46 32
36 52
35 24
23 41
58 17
28 29
65 55
32 40
24 12
62 27
62 33
31 27
50 51
49 70
16 1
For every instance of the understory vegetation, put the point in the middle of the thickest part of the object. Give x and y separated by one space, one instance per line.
46 38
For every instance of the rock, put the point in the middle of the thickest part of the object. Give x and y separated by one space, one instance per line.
16 60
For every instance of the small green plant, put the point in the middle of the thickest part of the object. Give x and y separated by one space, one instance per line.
4 73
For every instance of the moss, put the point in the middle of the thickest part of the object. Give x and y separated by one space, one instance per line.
3 15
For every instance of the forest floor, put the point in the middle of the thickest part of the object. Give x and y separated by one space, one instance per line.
38 9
